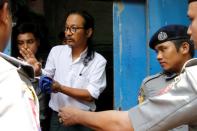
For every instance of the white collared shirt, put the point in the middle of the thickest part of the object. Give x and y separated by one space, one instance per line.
74 74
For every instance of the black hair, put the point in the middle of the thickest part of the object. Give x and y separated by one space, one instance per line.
178 43
61 36
28 27
36 31
89 23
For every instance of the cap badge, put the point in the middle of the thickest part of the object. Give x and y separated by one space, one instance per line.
162 36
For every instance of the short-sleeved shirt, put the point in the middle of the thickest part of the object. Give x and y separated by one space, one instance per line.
75 74
153 85
174 106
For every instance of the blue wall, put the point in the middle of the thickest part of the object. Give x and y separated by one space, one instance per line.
129 52
133 25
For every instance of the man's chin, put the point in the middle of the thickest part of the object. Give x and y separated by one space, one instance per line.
69 44
167 69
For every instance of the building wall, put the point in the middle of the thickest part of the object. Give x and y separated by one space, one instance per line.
134 24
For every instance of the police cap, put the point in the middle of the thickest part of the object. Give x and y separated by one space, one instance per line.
168 33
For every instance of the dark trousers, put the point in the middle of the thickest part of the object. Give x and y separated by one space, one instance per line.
55 125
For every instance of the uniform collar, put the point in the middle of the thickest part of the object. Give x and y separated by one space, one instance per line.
191 62
169 75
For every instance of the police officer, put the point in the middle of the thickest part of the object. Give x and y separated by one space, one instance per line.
173 47
19 104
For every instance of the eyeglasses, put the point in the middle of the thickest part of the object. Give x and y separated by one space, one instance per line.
73 29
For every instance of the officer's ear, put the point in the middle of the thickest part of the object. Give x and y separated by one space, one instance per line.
4 13
185 48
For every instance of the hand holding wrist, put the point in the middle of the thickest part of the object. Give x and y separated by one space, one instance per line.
56 86
37 68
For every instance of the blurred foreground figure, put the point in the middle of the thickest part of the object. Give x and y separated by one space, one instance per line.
19 110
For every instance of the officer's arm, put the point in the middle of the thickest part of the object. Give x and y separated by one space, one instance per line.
99 121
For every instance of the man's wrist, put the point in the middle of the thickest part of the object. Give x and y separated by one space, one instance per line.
60 88
38 68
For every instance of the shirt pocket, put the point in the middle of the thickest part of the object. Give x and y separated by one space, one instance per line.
80 82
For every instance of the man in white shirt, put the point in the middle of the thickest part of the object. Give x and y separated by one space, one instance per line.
77 70
19 109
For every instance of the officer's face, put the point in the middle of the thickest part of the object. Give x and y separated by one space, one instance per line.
192 14
169 58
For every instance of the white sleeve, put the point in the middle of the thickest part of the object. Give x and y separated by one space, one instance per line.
14 110
49 69
97 80
172 108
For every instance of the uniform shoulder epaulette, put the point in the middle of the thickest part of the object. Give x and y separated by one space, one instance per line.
22 66
191 62
149 78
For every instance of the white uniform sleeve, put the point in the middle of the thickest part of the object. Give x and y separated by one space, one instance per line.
15 110
175 106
